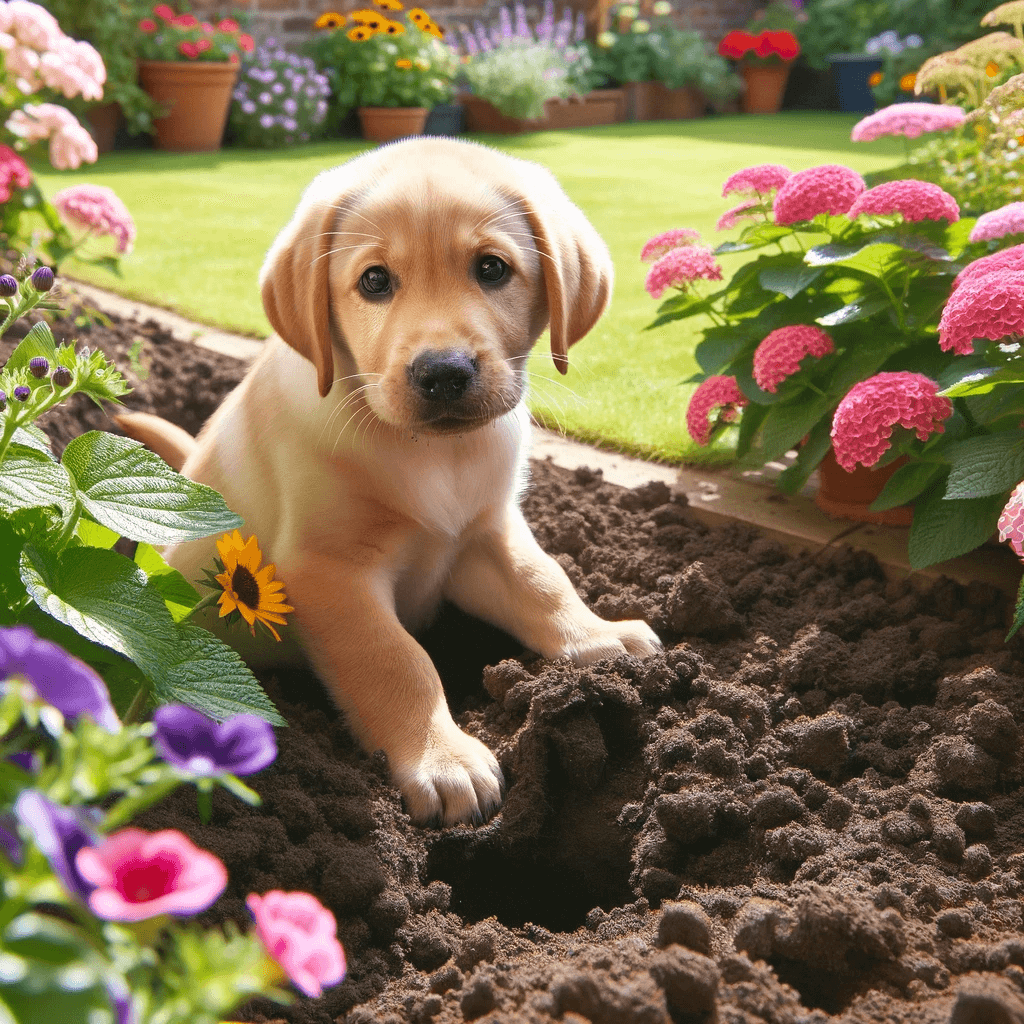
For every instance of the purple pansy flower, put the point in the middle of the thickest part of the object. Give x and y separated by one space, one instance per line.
58 678
9 841
59 832
190 741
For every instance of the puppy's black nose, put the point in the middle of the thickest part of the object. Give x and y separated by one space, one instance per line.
442 376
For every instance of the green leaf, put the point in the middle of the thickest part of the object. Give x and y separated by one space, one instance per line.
93 535
789 281
983 380
989 464
752 418
764 234
179 595
32 437
860 309
906 484
133 491
38 342
808 455
718 348
787 424
1018 617
106 598
946 529
30 478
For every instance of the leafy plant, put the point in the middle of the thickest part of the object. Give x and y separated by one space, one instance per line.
58 570
169 36
841 333
684 58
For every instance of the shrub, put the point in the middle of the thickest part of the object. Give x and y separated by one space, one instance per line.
279 99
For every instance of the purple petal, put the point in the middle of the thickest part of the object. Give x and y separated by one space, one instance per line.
59 679
9 841
189 740
59 832
247 743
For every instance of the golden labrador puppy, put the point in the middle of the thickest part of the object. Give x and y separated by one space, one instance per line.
378 446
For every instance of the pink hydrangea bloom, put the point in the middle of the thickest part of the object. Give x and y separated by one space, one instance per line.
680 266
863 423
300 934
141 874
732 217
1011 521
990 306
32 25
719 392
909 119
1007 220
915 200
667 241
14 173
1006 259
760 178
779 354
828 188
97 210
70 144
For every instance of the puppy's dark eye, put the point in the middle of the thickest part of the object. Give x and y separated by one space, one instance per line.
375 281
491 269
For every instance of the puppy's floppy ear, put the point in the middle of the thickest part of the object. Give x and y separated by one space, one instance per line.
295 280
576 264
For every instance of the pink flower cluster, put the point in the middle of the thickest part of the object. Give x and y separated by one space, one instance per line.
988 306
915 200
719 392
667 241
1006 259
70 144
909 119
828 188
678 267
779 354
37 53
743 211
1007 220
299 933
864 420
96 210
14 173
1011 521
761 178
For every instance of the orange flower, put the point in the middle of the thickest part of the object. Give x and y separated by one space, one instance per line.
419 16
330 19
992 69
432 28
908 81
403 63
876 79
389 5
394 28
251 591
359 34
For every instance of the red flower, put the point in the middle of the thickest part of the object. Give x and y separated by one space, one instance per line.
233 59
915 200
202 45
147 25
736 44
187 49
165 12
828 188
14 173
720 392
989 307
185 21
246 42
777 44
778 356
1011 521
228 25
207 27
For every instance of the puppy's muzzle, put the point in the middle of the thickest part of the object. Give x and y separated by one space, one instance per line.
442 378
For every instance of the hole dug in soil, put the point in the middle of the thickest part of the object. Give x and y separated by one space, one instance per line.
807 809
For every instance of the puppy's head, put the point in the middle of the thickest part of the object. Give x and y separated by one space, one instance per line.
427 269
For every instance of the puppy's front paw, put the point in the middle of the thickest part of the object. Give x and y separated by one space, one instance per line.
454 778
631 636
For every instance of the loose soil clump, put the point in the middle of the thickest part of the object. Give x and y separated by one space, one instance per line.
807 809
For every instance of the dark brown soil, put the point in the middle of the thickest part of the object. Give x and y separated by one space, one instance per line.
808 809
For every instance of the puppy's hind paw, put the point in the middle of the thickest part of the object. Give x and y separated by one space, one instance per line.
455 779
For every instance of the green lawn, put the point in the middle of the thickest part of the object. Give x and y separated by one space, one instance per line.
205 221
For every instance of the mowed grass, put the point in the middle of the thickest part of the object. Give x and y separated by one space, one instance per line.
205 221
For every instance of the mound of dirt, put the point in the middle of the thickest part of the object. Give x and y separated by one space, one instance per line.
807 809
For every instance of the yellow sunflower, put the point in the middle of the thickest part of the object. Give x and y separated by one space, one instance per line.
403 63
359 33
394 28
330 19
432 28
389 5
251 591
363 15
418 16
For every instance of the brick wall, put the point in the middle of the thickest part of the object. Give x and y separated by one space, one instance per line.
290 21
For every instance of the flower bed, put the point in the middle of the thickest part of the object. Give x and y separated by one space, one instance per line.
816 788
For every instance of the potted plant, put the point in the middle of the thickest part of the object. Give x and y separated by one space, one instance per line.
628 52
102 23
764 62
690 75
190 67
391 68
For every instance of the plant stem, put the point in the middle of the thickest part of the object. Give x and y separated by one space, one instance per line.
205 603
138 704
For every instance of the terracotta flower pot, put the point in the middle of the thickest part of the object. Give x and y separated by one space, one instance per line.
484 116
103 121
641 100
602 106
845 495
385 124
765 86
679 104
198 94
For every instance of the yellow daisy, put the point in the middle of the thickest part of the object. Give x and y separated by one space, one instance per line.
403 63
419 16
359 33
394 28
389 5
363 15
251 591
432 28
330 19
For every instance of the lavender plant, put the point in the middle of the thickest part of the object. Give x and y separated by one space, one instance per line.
280 99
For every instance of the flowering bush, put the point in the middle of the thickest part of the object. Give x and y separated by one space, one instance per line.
372 59
279 99
176 37
39 60
99 913
768 47
517 67
841 332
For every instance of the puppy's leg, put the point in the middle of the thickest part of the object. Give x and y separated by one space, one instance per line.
503 577
390 691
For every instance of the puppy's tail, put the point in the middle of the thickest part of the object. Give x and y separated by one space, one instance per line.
173 444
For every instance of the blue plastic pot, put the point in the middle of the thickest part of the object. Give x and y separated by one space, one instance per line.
850 74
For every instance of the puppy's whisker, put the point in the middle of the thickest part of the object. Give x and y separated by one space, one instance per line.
340 248
361 234
514 206
350 399
539 378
